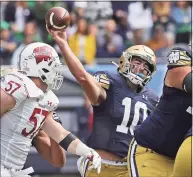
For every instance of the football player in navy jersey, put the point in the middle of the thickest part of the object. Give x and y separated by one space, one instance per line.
183 160
120 102
158 138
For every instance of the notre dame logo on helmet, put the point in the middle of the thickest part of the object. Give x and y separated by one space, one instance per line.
179 56
174 56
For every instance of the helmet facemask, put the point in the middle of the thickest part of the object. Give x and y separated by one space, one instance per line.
50 73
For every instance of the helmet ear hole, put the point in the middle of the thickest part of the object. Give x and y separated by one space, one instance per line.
49 64
45 70
43 77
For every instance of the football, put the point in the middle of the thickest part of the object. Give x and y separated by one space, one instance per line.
57 18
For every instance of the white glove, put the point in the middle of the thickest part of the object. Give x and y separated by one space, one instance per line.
95 158
91 155
23 173
82 163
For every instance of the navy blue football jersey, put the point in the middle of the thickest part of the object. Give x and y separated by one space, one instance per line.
165 128
116 117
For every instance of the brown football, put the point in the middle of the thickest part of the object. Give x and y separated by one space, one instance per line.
57 18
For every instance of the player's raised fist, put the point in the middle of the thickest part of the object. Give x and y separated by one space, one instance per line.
57 19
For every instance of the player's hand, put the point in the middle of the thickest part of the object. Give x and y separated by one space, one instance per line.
59 36
95 159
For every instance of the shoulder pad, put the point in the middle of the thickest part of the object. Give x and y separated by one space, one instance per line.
14 86
20 87
32 90
49 101
17 83
178 57
103 79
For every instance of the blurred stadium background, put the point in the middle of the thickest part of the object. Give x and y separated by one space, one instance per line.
98 33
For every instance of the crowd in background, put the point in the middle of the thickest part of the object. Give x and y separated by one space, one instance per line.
98 30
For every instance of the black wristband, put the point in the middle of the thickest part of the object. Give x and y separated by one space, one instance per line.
187 83
67 141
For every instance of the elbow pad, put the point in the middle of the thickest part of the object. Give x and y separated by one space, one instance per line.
187 83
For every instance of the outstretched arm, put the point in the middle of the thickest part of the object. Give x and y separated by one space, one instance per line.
49 149
69 142
93 90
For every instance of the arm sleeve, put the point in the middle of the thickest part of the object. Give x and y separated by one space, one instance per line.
103 79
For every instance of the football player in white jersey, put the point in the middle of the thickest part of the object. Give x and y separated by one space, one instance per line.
27 105
46 146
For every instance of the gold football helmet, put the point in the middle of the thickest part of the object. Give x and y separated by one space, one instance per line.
144 53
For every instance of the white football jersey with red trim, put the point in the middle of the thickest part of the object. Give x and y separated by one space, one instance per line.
22 123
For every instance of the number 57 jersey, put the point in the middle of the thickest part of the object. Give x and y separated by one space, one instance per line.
22 123
116 118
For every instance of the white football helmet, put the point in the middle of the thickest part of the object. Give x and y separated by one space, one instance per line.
41 60
143 52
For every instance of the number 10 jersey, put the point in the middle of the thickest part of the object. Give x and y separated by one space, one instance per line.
116 118
22 123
